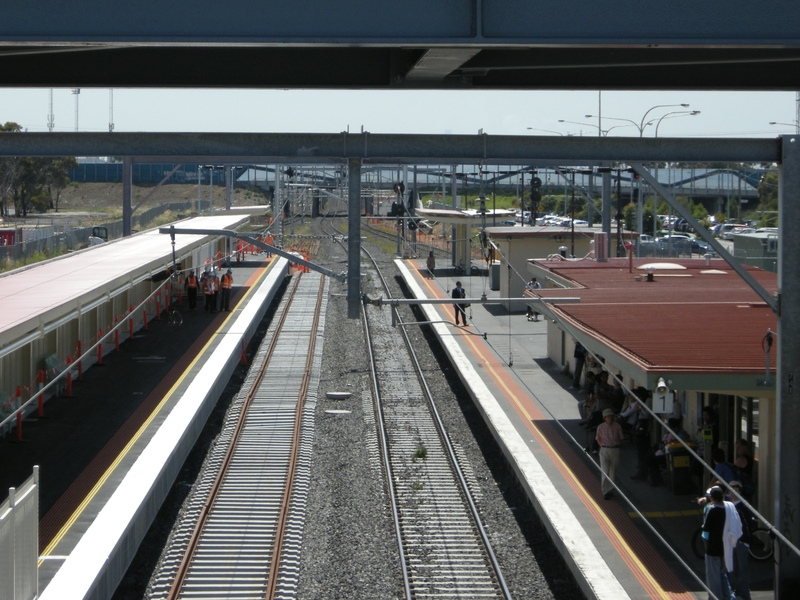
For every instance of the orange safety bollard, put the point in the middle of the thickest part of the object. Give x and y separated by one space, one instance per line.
100 347
116 333
69 377
80 362
40 399
144 319
180 296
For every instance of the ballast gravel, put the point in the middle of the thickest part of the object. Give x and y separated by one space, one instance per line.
349 545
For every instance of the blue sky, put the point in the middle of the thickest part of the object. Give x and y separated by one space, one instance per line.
745 114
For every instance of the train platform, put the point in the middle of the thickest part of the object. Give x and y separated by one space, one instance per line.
108 455
525 399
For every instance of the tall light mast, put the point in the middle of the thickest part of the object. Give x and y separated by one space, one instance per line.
76 92
51 120
110 110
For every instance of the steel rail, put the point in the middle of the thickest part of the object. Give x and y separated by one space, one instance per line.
466 506
186 561
272 580
384 448
449 447
387 465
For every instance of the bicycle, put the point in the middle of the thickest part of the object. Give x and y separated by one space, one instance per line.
761 544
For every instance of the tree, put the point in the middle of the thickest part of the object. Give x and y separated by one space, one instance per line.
56 177
9 169
629 216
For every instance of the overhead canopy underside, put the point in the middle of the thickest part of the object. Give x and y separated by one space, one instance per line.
416 44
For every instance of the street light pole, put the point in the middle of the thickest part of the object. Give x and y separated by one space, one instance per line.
687 113
641 125
796 125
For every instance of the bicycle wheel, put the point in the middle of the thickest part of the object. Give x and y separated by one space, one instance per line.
698 544
175 318
761 545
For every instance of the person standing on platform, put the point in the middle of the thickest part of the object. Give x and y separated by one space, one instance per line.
191 289
531 286
431 264
580 359
214 290
609 437
740 576
460 309
209 289
206 293
717 527
226 284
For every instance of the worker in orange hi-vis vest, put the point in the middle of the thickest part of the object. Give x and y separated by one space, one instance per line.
191 289
270 242
226 283
210 291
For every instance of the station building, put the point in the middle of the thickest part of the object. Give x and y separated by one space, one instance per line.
695 323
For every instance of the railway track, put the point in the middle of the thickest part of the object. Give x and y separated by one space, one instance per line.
445 552
242 531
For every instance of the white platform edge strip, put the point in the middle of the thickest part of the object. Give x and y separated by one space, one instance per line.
85 564
589 567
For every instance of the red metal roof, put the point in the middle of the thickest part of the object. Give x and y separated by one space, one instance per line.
687 320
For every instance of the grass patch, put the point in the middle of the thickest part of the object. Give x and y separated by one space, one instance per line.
36 257
421 453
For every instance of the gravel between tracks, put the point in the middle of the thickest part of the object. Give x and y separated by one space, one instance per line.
349 548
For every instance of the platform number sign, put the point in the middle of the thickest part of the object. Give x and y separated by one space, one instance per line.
662 403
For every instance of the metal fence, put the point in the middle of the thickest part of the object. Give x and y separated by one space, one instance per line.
19 541
78 237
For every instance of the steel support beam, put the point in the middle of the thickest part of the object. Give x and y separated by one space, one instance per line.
228 186
250 239
606 216
787 479
354 239
413 23
127 192
310 148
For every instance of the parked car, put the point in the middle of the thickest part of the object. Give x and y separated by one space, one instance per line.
727 228
701 247
679 245
737 229
508 223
